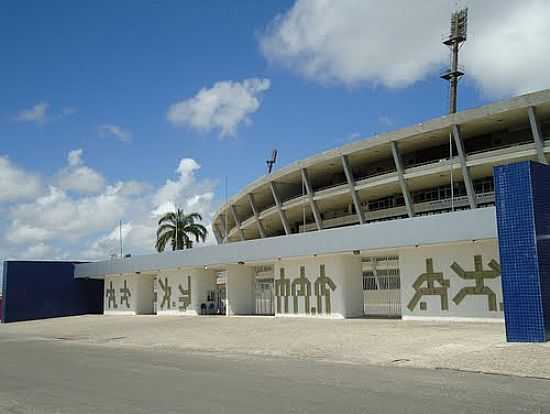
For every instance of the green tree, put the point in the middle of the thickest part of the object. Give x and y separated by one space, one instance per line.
180 229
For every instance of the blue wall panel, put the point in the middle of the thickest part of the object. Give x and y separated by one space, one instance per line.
37 290
522 200
541 203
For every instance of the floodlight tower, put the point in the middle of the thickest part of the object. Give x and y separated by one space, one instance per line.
457 36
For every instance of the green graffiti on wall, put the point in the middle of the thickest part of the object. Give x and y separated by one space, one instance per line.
282 290
479 275
323 288
301 287
425 285
166 293
185 298
125 294
111 296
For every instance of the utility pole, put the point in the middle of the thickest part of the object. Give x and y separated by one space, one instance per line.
120 237
176 207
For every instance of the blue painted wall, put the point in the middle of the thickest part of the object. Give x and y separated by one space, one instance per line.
37 290
523 221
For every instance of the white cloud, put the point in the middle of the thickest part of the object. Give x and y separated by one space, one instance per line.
110 130
397 43
39 251
79 177
223 107
15 183
61 224
35 114
56 215
171 190
185 192
506 51
75 157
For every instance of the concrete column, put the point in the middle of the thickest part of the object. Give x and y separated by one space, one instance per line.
240 290
312 203
279 205
237 221
537 134
465 170
252 202
401 175
223 228
217 233
144 294
351 184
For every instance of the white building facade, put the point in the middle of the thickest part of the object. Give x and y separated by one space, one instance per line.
370 228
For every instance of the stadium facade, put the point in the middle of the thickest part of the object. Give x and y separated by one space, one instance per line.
370 228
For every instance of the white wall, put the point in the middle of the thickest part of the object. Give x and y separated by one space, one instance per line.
120 307
345 286
144 294
412 263
182 292
240 291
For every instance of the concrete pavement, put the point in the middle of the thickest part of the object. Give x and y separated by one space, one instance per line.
461 346
62 376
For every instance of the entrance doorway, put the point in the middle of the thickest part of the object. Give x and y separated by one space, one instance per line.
264 290
220 296
381 286
264 297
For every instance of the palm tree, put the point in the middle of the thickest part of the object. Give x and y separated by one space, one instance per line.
186 227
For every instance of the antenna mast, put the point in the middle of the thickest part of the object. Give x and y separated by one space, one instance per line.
457 36
272 161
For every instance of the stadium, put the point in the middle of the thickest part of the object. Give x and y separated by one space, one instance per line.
445 219
404 173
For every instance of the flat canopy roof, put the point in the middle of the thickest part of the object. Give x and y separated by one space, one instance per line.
477 224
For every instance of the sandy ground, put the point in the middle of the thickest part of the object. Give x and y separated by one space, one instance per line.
452 345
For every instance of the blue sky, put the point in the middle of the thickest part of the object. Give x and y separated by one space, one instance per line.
99 79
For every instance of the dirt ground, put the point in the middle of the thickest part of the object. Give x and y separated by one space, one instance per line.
453 345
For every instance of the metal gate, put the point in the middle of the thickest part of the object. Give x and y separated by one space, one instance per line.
264 297
263 276
381 286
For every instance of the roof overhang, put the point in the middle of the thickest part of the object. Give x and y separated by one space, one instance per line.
467 225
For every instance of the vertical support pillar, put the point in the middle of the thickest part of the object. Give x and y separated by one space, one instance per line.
279 205
465 170
240 290
312 203
252 202
522 197
537 134
217 233
224 229
401 175
237 222
351 184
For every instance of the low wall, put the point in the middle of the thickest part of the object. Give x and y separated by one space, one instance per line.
38 290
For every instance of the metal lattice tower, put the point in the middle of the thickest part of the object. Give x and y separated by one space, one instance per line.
457 36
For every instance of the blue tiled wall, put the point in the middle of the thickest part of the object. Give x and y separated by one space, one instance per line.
36 290
523 217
